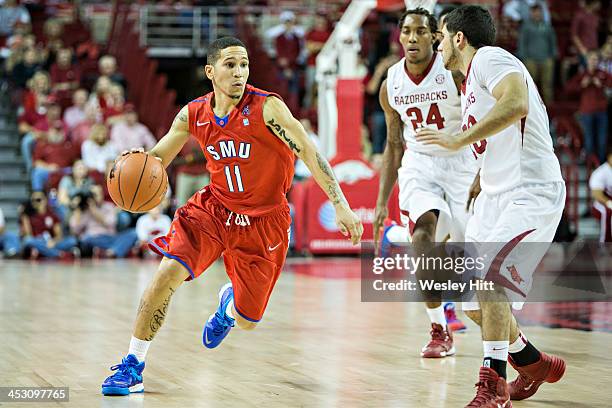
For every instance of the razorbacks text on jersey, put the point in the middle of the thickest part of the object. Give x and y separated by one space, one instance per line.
432 100
250 168
523 152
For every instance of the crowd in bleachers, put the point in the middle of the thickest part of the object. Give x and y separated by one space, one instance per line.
73 121
75 115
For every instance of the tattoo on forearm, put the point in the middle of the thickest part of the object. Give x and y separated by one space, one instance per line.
160 314
282 134
324 166
335 195
333 190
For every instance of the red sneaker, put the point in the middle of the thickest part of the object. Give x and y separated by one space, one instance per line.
549 369
492 391
441 343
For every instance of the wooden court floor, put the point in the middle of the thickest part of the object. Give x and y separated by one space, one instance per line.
318 345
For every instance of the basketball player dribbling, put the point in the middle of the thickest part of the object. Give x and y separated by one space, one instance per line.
249 138
522 198
434 182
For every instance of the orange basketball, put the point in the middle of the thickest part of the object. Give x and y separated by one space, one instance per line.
137 182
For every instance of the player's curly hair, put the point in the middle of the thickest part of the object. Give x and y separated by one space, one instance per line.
214 49
431 19
474 22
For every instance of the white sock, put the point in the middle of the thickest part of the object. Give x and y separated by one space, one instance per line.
139 348
519 344
437 315
496 349
398 234
229 310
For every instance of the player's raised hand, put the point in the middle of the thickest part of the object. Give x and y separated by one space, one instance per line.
349 223
382 212
429 136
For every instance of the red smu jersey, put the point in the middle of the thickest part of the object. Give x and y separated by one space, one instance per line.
250 168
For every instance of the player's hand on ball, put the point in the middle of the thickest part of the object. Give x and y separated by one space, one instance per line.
349 223
429 136
382 212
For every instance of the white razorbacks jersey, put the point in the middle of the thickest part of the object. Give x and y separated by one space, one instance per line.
431 100
523 152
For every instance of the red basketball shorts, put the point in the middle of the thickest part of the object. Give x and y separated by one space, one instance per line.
253 248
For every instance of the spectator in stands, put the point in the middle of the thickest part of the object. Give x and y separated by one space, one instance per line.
584 28
289 51
9 241
107 67
34 123
24 70
100 96
37 93
113 111
537 48
72 184
315 40
152 225
11 14
42 232
65 75
81 131
75 114
592 112
520 10
287 25
97 151
601 191
53 31
191 174
52 153
605 63
130 133
94 221
379 129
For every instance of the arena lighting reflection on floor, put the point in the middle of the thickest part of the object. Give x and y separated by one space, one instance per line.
588 316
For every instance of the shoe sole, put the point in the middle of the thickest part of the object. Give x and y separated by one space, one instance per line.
443 354
138 388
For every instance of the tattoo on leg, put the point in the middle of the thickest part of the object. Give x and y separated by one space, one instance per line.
281 133
160 314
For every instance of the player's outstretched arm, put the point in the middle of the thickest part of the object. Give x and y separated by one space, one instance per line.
512 105
392 160
171 144
288 129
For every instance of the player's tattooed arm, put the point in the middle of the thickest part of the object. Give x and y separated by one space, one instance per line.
282 133
288 129
171 144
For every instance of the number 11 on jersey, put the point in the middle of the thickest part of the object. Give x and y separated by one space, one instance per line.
230 183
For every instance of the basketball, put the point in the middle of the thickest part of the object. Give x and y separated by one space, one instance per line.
137 182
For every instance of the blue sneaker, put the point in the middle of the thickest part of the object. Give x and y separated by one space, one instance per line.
127 379
454 324
219 324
